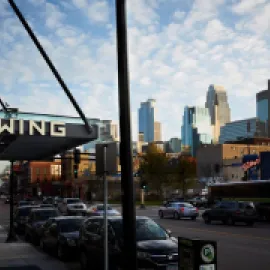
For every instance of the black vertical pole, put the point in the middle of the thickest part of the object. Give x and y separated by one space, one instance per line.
11 234
127 184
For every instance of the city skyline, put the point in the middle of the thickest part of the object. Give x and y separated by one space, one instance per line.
176 50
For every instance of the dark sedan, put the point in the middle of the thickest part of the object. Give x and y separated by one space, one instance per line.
36 219
21 216
61 234
156 248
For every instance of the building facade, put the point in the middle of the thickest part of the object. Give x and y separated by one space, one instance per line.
223 162
219 109
196 129
157 131
147 120
174 145
246 128
262 107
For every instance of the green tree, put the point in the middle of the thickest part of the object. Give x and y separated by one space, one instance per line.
184 174
153 167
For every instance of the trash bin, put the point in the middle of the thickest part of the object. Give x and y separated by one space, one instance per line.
197 254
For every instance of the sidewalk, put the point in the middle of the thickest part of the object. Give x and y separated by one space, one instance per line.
20 254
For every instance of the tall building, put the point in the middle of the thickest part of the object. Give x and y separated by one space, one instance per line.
246 128
147 120
262 106
174 145
157 131
219 110
110 129
196 129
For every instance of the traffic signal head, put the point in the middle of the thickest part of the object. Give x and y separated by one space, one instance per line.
77 156
75 171
143 184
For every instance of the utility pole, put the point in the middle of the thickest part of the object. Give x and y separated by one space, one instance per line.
126 156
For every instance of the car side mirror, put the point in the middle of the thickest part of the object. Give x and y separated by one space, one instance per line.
169 232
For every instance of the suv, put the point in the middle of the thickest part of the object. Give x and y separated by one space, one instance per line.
156 249
230 212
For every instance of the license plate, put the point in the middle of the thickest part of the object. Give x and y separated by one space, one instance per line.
172 267
207 267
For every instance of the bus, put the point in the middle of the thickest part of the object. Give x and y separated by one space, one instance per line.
257 191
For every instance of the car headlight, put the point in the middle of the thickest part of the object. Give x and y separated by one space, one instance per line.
71 242
142 255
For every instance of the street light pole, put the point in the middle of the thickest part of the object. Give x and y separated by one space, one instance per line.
126 156
11 234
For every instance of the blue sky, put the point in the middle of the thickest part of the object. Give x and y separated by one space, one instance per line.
176 49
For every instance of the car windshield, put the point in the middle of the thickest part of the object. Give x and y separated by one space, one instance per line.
44 215
70 201
146 229
100 207
24 203
188 205
70 225
24 212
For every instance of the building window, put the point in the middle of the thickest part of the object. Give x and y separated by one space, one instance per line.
37 171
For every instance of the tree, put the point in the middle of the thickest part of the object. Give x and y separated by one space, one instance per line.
153 168
184 172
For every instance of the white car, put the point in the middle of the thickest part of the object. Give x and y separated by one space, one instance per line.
72 206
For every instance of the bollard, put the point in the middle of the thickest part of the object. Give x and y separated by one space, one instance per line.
197 254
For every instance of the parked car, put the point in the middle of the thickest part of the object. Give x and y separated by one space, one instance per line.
60 235
198 201
48 200
98 210
37 218
178 210
46 205
230 212
156 248
23 203
21 216
72 207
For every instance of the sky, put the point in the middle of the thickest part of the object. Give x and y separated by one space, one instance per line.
176 50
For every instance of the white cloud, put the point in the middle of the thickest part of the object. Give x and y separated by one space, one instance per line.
99 11
54 17
247 6
173 62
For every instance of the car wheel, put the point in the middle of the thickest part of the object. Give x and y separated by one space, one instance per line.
83 260
176 215
207 220
61 253
229 221
160 213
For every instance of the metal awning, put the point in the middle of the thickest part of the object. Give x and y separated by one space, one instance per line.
37 140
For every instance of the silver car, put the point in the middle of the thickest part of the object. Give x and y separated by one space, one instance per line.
178 210
98 210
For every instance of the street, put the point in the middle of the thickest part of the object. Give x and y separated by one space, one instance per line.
239 247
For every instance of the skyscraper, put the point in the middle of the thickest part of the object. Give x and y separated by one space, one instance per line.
262 107
147 120
196 129
219 110
157 131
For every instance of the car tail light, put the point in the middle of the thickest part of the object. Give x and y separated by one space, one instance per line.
197 209
238 212
182 209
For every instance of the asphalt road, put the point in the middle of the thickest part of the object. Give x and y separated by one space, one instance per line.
239 247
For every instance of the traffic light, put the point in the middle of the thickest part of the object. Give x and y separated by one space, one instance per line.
143 184
75 171
77 156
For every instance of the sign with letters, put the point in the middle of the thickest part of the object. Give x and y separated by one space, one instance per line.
32 127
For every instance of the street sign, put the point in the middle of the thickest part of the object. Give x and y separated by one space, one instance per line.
197 254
